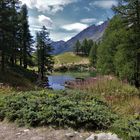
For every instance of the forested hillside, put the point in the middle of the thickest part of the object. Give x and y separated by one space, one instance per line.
119 52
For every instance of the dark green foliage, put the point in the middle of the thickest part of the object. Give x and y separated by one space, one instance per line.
117 53
127 129
93 54
59 109
2 112
16 40
25 38
28 74
44 49
15 37
83 48
77 47
8 31
129 10
18 78
107 49
125 58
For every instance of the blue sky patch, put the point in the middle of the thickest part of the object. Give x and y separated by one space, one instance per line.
66 18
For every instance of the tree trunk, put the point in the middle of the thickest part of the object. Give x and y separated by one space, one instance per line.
24 55
2 61
25 65
25 62
12 61
20 61
137 78
42 73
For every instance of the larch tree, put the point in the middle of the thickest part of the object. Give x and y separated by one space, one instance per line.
129 10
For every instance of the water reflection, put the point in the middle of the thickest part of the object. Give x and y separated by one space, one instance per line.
57 82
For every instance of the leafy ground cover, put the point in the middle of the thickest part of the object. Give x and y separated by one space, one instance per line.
61 109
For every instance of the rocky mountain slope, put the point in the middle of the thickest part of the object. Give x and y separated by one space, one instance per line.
92 32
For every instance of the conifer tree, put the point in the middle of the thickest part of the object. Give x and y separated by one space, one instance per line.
26 38
44 49
8 18
90 44
77 47
93 54
129 10
14 31
84 47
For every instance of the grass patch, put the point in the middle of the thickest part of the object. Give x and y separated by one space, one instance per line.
123 98
69 58
17 78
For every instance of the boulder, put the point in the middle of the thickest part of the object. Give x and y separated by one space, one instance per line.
103 136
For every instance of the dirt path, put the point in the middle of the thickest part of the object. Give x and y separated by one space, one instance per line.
12 132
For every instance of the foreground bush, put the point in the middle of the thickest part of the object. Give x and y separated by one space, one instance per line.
59 109
128 129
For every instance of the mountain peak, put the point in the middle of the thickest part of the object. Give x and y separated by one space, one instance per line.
94 32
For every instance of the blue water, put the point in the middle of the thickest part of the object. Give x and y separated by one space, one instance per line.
57 82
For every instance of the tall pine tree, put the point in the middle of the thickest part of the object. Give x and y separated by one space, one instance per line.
14 31
8 25
26 38
44 49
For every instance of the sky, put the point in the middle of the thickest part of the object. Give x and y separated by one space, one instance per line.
66 18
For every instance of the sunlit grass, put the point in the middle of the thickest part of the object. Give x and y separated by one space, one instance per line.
122 97
70 58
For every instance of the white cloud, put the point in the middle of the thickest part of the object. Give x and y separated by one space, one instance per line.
100 22
88 20
107 4
33 21
45 21
51 6
75 27
56 36
37 23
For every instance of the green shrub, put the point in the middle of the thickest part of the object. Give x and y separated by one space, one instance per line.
2 113
128 129
60 109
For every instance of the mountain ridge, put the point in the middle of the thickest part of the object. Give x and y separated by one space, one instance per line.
94 32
